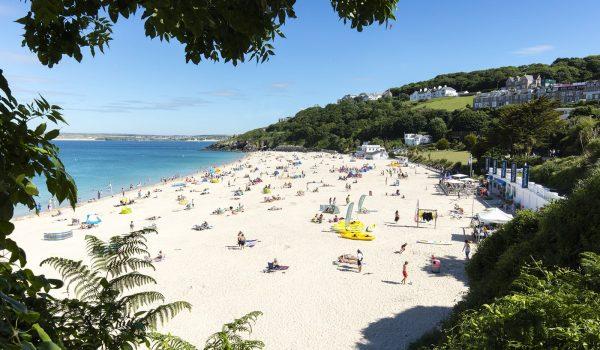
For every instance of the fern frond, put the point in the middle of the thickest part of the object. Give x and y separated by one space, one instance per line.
119 266
129 281
164 313
83 281
230 338
90 289
134 301
169 342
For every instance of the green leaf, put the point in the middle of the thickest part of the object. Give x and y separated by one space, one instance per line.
18 307
31 189
40 129
47 343
6 227
52 134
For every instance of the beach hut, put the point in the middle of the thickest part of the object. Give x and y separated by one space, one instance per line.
493 216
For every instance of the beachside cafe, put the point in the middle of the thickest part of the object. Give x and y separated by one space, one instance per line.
513 186
457 183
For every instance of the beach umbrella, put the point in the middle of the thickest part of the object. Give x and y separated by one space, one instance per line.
92 219
361 201
349 213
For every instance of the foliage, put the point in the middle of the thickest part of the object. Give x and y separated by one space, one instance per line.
470 141
564 70
549 309
344 125
562 174
169 342
108 310
229 337
231 30
522 127
24 154
436 127
442 144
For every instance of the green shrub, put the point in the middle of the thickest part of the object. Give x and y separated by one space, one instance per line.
442 144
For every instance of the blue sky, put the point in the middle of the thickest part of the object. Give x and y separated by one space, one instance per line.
144 86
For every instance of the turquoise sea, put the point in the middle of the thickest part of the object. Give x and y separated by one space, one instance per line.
102 165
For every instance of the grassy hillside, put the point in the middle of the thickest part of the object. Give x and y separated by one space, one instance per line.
452 156
447 103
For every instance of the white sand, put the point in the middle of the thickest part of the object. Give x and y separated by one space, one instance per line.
315 304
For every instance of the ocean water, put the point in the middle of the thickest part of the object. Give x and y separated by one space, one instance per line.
102 165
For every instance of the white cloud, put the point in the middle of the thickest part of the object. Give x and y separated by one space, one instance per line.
534 50
128 106
281 85
14 57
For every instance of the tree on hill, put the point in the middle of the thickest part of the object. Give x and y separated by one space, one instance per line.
437 128
521 128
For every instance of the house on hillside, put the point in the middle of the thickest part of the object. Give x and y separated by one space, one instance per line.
436 92
417 139
524 89
368 151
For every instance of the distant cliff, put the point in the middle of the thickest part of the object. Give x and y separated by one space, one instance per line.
136 137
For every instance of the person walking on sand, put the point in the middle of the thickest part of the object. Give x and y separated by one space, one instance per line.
396 217
402 248
467 248
404 272
131 226
347 199
359 259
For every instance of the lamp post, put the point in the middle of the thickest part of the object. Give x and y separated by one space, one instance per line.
470 165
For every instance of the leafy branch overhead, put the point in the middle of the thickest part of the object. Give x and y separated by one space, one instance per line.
229 30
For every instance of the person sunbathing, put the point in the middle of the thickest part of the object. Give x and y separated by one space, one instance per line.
347 259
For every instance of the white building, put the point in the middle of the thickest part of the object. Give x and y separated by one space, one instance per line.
416 139
368 151
366 96
436 92
534 196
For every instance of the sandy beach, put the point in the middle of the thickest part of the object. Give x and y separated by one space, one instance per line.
315 304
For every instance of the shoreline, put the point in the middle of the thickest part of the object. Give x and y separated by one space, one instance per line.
143 188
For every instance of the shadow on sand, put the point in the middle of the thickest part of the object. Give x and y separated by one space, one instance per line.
399 331
452 266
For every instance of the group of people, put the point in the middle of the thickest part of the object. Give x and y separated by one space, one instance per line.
318 219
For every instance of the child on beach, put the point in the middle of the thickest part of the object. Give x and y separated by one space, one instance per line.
467 248
241 240
396 217
404 272
402 248
359 259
